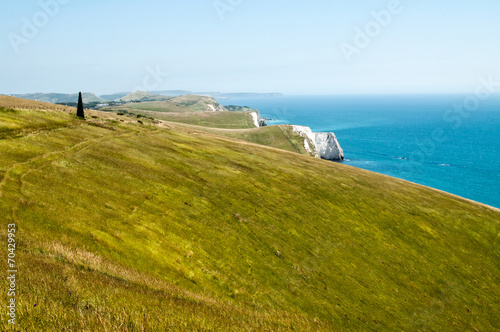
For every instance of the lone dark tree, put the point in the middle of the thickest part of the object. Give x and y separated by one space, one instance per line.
79 110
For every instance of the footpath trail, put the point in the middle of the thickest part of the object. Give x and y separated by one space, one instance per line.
18 171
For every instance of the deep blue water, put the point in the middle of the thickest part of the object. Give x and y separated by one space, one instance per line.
419 138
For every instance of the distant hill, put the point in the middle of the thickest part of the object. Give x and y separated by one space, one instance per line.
141 96
136 96
114 96
143 101
198 103
60 97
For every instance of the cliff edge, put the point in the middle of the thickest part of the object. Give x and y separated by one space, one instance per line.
258 121
321 145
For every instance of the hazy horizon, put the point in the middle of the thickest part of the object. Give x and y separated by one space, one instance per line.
366 94
322 48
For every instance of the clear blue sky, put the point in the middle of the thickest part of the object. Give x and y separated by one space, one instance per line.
293 47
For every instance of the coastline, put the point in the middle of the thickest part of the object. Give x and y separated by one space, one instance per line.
460 197
487 206
342 161
377 135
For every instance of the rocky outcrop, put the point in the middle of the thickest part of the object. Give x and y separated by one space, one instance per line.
258 121
215 108
321 145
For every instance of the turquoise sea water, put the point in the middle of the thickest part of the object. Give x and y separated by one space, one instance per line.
420 138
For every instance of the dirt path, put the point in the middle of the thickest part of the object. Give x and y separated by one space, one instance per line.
45 159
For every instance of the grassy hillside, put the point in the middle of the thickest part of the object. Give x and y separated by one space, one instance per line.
227 120
198 103
190 109
136 96
236 108
114 96
127 226
19 103
153 106
142 96
186 109
181 104
281 137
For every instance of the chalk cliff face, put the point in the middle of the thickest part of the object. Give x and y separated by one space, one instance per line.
258 121
255 118
328 147
321 145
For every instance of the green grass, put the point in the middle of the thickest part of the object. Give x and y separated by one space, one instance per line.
189 110
281 137
181 104
143 97
235 108
223 120
154 106
16 123
186 109
195 103
157 228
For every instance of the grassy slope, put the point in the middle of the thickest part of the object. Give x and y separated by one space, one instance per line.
281 137
223 120
155 106
197 103
153 227
190 110
181 110
138 95
235 108
181 104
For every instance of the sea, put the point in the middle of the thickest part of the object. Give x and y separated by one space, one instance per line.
448 142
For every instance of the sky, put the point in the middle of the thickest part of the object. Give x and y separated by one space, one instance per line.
293 47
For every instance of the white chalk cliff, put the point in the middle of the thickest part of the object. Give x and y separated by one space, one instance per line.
321 145
255 118
258 121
